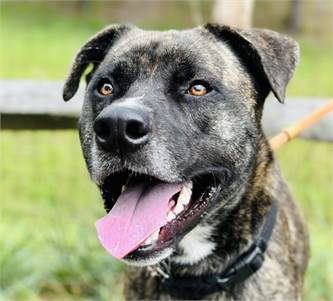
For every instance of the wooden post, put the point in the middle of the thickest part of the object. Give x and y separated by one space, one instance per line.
295 129
237 13
295 16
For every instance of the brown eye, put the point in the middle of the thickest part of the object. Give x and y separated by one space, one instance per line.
105 89
198 90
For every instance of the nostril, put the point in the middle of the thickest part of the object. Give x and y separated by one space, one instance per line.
136 129
120 128
102 129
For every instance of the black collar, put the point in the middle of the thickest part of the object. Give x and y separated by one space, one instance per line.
246 264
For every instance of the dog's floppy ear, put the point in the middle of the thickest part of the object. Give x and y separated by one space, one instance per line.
93 51
270 56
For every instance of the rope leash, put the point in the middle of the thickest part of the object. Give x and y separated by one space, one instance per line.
296 128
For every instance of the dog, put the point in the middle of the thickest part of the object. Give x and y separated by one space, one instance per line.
171 134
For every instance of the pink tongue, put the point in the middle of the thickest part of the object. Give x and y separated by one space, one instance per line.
138 213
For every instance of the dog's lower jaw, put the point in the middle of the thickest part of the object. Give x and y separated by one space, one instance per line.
194 247
150 260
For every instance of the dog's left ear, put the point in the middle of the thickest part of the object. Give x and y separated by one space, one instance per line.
92 52
268 55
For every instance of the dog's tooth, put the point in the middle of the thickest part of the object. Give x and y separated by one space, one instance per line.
189 185
185 194
148 241
178 208
123 188
171 204
170 216
184 198
154 236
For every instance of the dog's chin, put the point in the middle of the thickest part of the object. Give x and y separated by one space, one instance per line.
141 260
190 206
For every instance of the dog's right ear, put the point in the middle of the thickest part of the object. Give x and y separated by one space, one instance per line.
92 52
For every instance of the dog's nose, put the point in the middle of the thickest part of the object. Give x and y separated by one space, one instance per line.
122 127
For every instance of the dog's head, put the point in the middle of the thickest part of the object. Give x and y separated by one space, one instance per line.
170 124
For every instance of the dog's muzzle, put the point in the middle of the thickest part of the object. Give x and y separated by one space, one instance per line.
120 128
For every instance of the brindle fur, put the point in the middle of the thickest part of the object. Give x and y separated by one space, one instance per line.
221 130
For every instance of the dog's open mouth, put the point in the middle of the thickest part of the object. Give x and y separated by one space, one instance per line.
146 215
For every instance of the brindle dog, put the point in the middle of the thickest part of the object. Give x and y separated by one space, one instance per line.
180 107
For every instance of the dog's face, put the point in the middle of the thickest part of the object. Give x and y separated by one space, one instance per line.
176 116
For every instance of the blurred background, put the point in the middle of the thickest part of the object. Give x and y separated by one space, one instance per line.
48 246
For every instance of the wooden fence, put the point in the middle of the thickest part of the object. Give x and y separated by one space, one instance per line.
37 104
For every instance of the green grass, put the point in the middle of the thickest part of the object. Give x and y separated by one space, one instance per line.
37 43
308 167
49 248
314 74
39 40
48 208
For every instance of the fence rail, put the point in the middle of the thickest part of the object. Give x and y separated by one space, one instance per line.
37 104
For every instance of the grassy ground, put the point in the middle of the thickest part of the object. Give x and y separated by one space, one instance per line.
48 209
308 167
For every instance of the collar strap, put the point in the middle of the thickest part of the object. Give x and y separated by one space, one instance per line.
246 264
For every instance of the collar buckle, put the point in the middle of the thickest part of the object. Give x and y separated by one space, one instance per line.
245 266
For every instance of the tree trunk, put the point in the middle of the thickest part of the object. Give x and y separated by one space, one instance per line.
295 16
237 13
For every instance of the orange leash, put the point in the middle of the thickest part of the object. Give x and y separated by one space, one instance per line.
296 128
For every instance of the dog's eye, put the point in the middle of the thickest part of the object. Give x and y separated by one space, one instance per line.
199 89
105 88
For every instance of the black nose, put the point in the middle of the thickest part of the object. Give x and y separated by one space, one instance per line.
122 128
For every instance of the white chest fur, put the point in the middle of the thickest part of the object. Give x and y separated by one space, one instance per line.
195 245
